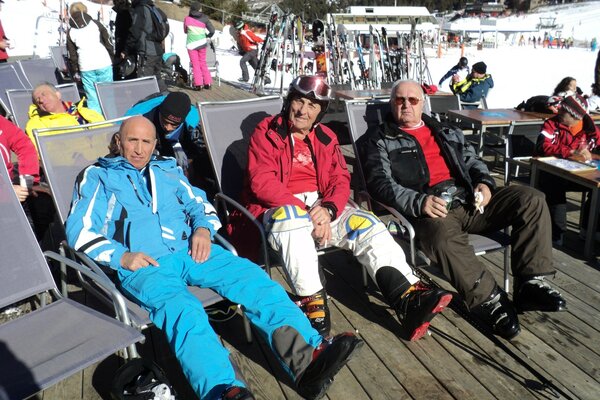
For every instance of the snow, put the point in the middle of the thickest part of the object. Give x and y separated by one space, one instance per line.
518 72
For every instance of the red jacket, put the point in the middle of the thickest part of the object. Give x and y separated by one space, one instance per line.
557 140
248 40
13 139
269 168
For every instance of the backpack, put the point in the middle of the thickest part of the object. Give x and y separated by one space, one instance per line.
160 24
141 379
536 104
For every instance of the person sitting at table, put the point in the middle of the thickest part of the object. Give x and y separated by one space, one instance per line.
50 111
411 161
570 134
474 87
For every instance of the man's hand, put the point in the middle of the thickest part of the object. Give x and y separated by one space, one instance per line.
319 215
322 233
434 207
582 154
200 245
21 192
135 261
487 194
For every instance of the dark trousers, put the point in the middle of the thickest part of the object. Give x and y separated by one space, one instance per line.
151 65
248 57
445 240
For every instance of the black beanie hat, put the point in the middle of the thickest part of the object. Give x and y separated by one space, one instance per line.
479 67
196 6
175 107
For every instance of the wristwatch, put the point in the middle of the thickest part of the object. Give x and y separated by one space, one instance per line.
330 211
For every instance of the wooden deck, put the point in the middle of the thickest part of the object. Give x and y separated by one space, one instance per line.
556 356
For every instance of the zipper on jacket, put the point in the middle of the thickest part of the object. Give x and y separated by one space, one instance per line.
135 190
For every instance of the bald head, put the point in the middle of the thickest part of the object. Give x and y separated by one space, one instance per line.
404 94
136 140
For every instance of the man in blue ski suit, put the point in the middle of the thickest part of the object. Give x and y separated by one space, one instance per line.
138 214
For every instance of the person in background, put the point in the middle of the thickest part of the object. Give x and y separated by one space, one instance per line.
475 86
90 52
570 134
168 246
461 69
199 30
567 84
298 185
142 42
594 99
248 43
121 25
177 126
412 161
49 111
4 42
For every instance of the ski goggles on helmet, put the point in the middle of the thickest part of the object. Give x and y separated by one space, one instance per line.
312 86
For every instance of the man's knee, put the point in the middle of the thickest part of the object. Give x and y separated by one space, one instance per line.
528 197
288 218
436 234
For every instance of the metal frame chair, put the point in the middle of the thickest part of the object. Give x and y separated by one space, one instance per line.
365 114
117 97
64 155
45 346
439 105
59 56
19 101
38 70
10 79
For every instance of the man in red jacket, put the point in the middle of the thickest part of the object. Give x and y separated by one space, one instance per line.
248 43
299 186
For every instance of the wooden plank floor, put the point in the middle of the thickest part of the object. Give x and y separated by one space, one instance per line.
556 356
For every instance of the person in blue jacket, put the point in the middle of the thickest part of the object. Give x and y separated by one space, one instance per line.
137 214
475 86
177 125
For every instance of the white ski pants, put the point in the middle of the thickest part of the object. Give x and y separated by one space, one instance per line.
289 232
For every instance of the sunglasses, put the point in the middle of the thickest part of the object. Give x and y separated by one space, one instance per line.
412 100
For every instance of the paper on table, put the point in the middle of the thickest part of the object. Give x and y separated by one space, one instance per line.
569 165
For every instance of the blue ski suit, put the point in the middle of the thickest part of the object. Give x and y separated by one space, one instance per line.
117 208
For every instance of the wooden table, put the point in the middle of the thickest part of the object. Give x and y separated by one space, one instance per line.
588 179
492 118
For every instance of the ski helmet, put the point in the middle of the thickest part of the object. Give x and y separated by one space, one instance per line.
312 87
463 62
239 25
